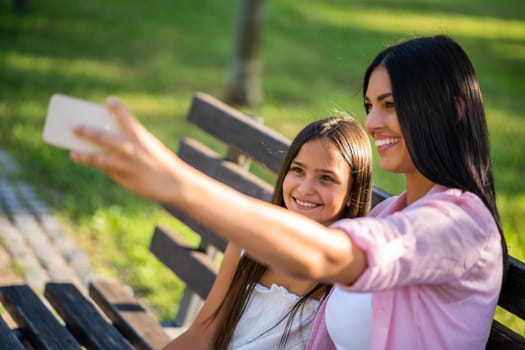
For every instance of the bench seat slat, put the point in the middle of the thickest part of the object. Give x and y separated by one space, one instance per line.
239 130
128 315
37 323
83 319
9 341
194 267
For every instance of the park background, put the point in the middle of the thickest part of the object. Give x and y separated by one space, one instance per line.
154 55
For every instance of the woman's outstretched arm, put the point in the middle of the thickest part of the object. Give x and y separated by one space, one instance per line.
270 234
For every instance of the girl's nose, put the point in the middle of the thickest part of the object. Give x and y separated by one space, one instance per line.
306 186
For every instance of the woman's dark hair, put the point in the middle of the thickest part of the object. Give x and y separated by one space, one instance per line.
439 106
353 143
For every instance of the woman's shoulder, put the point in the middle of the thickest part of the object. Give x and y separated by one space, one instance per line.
439 197
458 203
455 197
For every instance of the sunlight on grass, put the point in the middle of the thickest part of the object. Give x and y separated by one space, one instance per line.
421 23
513 207
155 105
67 67
3 108
514 51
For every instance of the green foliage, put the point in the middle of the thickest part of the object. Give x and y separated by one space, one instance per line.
155 54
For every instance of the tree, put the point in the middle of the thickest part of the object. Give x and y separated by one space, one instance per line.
243 86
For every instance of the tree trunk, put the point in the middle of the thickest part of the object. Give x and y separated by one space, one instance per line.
243 82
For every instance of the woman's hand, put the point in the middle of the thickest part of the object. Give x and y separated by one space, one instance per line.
134 158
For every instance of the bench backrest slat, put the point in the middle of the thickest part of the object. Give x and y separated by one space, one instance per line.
193 266
512 297
207 235
238 130
501 337
210 163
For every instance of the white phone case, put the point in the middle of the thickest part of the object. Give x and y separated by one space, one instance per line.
65 112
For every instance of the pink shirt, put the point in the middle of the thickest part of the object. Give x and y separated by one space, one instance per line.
435 270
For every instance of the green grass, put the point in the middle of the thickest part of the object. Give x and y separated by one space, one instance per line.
155 54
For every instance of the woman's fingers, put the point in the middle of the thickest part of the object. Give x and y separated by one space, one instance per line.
128 125
96 136
135 158
125 119
105 161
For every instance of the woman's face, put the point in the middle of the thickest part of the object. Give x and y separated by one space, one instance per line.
317 182
383 125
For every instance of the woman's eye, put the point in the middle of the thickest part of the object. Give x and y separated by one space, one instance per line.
368 107
390 105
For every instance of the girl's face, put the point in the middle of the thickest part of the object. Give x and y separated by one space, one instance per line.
383 125
317 182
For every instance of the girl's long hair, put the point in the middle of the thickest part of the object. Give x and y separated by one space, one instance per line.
352 142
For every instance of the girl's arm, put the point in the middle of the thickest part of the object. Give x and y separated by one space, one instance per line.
286 241
201 333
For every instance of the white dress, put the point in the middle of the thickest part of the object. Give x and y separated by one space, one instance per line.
265 308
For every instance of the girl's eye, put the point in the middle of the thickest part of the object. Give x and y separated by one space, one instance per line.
368 107
326 178
296 170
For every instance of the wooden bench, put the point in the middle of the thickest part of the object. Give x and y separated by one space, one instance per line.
109 318
246 141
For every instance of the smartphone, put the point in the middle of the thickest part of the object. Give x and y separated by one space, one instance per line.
65 112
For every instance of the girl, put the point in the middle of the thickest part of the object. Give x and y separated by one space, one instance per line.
433 257
326 175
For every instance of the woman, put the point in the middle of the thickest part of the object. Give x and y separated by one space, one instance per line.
326 175
433 256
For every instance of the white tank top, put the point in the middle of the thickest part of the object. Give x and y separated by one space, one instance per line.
348 318
265 308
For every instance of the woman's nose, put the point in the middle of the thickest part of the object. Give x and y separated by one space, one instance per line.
373 120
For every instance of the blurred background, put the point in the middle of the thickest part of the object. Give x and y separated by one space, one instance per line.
308 56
